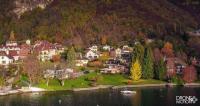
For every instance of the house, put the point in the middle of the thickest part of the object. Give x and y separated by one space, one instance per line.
46 50
113 61
149 41
106 48
195 33
91 55
114 66
59 48
10 47
125 47
24 51
118 53
82 62
5 59
10 51
180 65
93 48
62 74
113 69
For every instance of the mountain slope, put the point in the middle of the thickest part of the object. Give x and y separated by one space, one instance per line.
87 21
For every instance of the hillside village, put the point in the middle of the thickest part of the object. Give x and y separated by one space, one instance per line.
104 59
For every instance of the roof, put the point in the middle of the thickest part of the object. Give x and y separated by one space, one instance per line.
13 53
2 53
25 46
43 45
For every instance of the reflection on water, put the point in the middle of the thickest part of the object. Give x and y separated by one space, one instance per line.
143 97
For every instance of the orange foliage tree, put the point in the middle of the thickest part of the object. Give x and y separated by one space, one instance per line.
103 40
56 58
167 50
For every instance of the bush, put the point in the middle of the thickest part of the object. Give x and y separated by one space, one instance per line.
177 80
23 81
56 58
2 81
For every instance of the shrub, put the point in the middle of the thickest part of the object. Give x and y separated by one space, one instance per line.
56 58
2 81
177 80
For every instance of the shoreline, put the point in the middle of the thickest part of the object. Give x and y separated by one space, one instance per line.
35 89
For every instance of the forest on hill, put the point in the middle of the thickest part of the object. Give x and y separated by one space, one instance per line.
84 22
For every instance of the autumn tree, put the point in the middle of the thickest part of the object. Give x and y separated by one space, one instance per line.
136 70
12 36
167 50
138 53
56 58
71 57
103 40
189 74
31 67
147 71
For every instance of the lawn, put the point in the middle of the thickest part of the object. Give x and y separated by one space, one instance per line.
80 82
102 79
149 81
116 79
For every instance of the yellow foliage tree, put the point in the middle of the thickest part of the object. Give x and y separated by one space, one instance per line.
136 70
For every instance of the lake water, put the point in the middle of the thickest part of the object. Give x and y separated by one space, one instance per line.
147 96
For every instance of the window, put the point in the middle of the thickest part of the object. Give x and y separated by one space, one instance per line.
4 62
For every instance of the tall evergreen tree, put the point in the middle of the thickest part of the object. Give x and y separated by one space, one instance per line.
71 57
147 71
136 70
138 53
160 70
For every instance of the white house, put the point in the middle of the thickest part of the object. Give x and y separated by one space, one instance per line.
93 48
118 52
82 62
92 55
107 48
5 59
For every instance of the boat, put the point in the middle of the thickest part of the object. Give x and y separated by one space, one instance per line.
128 92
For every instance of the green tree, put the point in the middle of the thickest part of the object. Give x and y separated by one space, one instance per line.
71 57
160 69
147 71
1 37
136 70
138 53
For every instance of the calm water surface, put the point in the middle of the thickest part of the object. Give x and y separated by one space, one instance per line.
144 97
